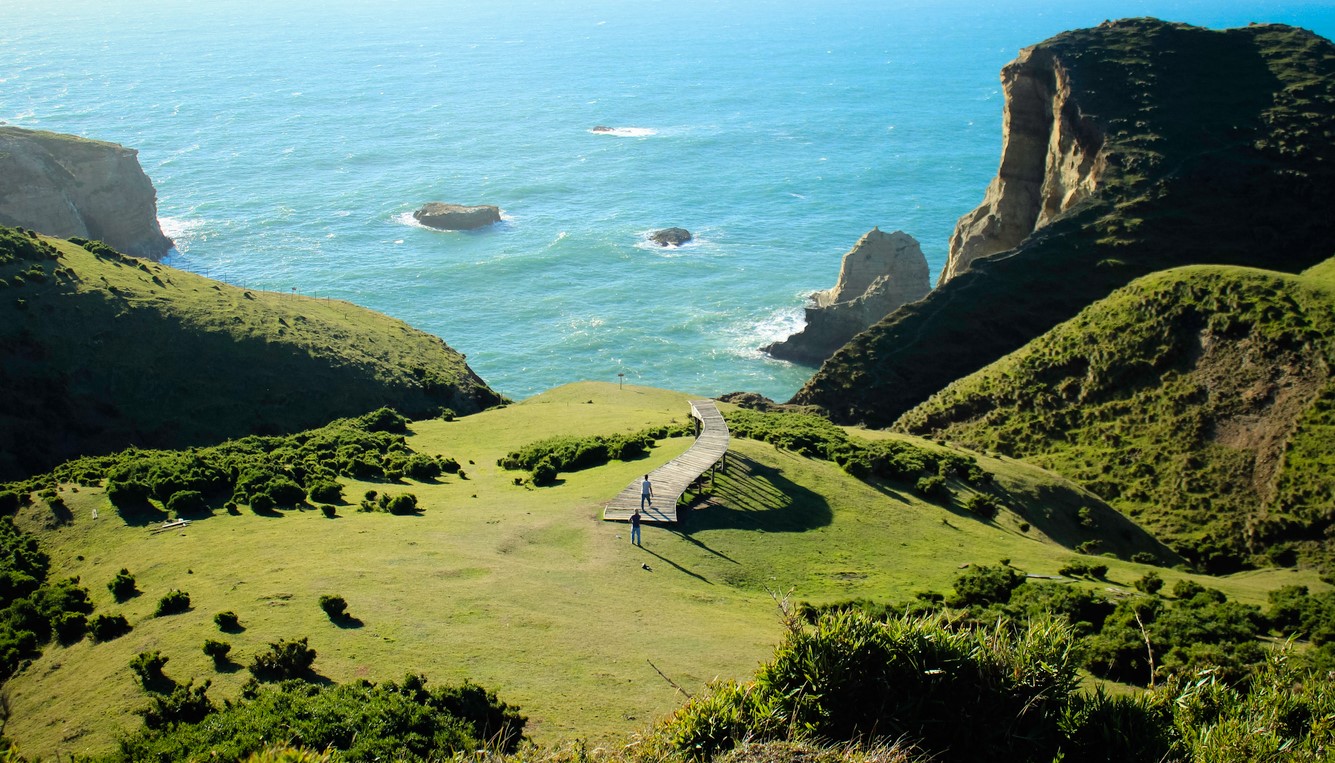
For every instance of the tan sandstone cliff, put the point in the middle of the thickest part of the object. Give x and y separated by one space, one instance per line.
1051 158
882 272
67 186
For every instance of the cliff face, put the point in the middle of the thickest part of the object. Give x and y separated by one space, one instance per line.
66 186
1051 158
1144 145
882 272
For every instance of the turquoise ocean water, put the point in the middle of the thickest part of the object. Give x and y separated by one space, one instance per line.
290 141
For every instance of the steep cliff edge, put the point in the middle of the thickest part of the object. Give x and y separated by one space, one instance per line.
1166 145
66 186
1051 158
882 272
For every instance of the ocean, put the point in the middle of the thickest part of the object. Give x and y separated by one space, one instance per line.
290 142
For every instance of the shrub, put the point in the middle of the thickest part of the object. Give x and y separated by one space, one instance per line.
186 502
261 503
1150 583
422 467
183 705
544 472
334 606
217 650
283 661
384 420
107 627
1144 557
147 667
227 621
404 503
932 486
325 491
982 504
69 627
122 586
174 603
981 585
852 678
329 511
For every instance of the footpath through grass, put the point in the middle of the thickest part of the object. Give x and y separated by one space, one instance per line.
523 590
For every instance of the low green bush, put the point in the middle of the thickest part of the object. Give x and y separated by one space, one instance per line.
284 660
217 650
173 603
123 586
336 607
107 627
147 667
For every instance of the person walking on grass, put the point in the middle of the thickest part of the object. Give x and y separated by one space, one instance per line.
646 493
635 528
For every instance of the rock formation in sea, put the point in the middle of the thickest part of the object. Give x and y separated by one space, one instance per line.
670 236
443 216
1132 147
64 185
881 273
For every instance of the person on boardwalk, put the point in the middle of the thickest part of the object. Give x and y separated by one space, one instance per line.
635 528
646 493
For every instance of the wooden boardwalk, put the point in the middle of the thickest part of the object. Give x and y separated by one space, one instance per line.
671 479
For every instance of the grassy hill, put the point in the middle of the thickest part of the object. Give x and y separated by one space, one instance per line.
524 589
1216 147
1199 401
99 351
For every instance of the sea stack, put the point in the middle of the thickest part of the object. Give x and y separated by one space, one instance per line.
882 272
66 186
443 216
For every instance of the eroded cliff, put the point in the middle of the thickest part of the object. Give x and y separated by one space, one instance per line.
67 186
1051 158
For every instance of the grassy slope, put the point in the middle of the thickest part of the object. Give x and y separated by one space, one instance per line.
102 352
523 590
1220 148
1198 400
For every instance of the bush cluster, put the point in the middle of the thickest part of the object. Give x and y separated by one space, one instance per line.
546 458
173 603
926 469
361 721
33 610
401 504
283 661
262 472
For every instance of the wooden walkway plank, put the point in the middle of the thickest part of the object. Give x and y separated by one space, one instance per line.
671 479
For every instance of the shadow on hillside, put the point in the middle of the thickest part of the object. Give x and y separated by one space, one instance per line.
679 568
347 622
748 495
142 514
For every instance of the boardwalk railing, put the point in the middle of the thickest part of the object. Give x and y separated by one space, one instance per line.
671 479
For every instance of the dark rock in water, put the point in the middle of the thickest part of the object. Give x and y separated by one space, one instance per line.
456 217
670 236
601 128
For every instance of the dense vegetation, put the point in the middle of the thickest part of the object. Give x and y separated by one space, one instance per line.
1198 401
1141 639
932 688
362 721
1216 147
99 351
546 458
262 472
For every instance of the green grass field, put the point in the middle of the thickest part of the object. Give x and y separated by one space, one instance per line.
525 591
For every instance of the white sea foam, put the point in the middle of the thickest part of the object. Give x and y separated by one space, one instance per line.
183 231
625 132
